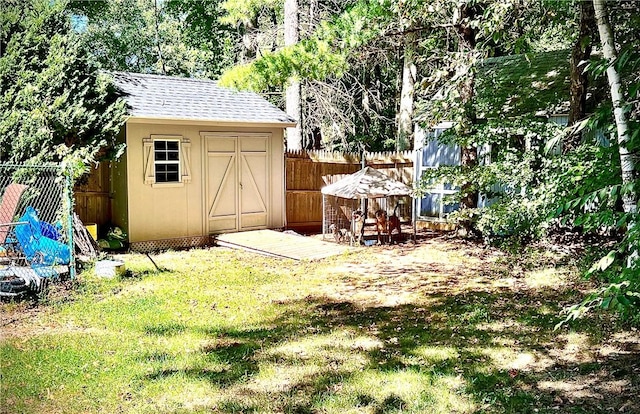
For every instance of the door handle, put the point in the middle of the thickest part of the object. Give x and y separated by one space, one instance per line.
241 186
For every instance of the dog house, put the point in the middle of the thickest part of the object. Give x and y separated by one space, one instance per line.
368 191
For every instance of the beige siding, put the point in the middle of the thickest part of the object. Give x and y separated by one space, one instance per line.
163 211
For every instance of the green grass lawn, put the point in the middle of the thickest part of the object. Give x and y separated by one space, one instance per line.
437 328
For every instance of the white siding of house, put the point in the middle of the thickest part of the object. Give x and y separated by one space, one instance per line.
432 154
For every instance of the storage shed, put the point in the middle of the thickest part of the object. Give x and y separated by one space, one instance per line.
199 159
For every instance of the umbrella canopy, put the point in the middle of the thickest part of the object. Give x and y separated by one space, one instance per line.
367 183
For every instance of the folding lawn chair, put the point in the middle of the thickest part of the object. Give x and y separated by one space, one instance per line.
10 285
8 208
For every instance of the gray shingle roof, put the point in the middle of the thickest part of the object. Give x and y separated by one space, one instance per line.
168 97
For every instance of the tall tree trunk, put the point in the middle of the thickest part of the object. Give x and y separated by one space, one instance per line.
313 12
405 113
249 43
291 37
627 160
158 40
366 103
581 52
467 45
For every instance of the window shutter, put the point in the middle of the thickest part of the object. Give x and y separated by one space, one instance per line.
185 160
148 161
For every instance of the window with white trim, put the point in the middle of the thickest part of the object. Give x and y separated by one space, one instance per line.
166 160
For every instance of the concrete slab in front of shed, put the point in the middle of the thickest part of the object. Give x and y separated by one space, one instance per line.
279 244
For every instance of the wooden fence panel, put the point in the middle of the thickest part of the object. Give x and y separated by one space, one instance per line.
92 197
304 208
309 175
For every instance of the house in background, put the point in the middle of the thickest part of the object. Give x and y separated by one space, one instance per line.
199 159
510 87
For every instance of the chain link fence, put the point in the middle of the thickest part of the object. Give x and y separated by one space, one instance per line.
36 233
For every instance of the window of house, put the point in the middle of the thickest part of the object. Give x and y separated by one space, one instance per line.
166 161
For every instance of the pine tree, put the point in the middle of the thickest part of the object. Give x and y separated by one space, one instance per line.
54 98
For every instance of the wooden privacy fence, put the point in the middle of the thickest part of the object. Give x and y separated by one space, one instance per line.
91 194
308 171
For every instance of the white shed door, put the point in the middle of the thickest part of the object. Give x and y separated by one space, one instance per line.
237 183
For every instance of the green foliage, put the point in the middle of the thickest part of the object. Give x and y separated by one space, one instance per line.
243 11
517 205
346 62
307 59
620 272
516 218
323 55
531 185
144 36
52 91
210 44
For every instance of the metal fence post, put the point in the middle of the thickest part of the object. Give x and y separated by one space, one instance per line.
69 201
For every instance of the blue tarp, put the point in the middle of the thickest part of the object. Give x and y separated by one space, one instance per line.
37 247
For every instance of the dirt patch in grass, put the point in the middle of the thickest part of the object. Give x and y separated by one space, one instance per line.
497 311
